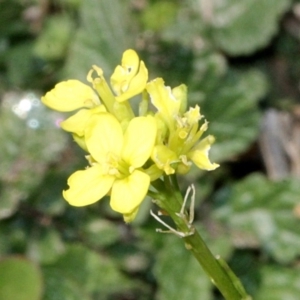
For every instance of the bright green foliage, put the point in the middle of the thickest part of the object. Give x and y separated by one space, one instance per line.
278 283
233 104
58 30
58 287
25 152
88 270
45 246
159 15
265 211
101 37
183 266
175 257
20 279
242 27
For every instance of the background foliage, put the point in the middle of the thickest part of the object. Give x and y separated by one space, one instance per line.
241 62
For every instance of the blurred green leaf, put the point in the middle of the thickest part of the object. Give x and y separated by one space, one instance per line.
159 15
101 39
10 21
19 279
257 207
53 41
100 232
242 27
278 283
177 272
246 266
60 287
70 4
45 246
94 272
20 65
13 237
231 108
29 140
49 199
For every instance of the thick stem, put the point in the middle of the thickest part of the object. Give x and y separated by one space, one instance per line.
171 201
211 266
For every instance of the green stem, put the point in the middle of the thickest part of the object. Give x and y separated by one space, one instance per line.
170 199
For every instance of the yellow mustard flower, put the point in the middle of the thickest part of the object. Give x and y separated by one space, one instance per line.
128 80
116 164
180 144
71 95
77 123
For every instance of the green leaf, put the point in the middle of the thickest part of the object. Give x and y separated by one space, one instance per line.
20 279
265 211
231 108
49 200
11 22
52 43
100 232
278 283
95 273
15 236
29 140
242 27
159 15
178 273
101 39
45 246
20 65
59 287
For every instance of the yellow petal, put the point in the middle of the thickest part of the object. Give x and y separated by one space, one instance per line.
128 193
180 93
102 88
104 136
162 130
130 78
77 122
70 95
199 155
164 101
136 85
154 172
139 140
124 73
80 141
131 216
164 158
193 115
88 186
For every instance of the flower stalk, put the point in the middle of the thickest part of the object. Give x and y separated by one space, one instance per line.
169 198
131 155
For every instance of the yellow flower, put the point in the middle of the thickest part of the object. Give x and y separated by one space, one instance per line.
166 103
127 81
71 95
180 143
130 78
116 164
122 111
77 123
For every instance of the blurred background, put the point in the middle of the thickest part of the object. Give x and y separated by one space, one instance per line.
241 62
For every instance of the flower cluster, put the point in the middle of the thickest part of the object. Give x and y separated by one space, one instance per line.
128 149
